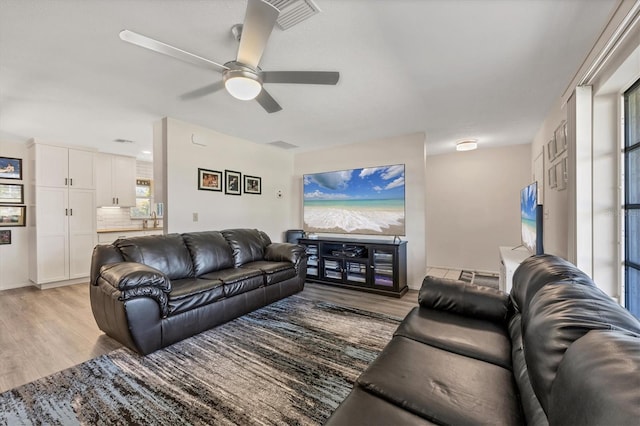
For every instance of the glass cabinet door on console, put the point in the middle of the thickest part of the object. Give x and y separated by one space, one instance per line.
312 260
382 267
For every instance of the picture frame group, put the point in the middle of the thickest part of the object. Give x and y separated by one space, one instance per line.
212 180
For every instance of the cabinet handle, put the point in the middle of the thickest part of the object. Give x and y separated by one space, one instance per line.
66 212
113 200
70 212
117 200
66 181
71 181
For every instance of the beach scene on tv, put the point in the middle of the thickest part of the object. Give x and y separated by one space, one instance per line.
528 205
369 200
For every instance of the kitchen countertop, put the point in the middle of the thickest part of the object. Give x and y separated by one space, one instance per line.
105 231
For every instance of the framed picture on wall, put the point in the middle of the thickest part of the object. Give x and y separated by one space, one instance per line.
13 216
551 149
209 180
232 182
252 185
10 168
561 182
552 177
560 136
5 236
11 193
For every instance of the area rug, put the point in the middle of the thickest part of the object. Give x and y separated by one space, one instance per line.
291 362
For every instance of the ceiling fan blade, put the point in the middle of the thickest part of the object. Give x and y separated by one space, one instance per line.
165 49
198 93
267 102
258 24
301 77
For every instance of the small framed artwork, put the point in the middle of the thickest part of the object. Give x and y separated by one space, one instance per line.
10 168
5 236
252 185
560 136
209 180
232 182
551 149
561 182
552 177
11 193
13 216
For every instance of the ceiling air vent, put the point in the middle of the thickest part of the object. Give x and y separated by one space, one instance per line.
292 12
283 144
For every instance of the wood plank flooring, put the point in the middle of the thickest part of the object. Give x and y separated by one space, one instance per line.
45 331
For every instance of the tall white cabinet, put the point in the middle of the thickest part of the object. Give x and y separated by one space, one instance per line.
63 224
115 177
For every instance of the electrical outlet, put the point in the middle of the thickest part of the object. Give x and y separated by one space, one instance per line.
195 217
279 193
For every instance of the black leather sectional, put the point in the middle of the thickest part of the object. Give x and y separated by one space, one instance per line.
149 292
557 351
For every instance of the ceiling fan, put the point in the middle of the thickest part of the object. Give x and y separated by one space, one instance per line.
242 77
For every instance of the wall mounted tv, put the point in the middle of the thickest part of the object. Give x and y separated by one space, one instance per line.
367 201
531 219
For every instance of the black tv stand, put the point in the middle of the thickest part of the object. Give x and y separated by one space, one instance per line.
375 266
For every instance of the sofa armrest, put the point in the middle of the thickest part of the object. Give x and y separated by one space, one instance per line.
133 279
464 298
284 252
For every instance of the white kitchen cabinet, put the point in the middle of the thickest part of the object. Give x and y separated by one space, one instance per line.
62 167
65 234
116 180
63 231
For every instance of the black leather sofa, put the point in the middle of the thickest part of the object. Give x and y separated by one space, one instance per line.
149 292
558 351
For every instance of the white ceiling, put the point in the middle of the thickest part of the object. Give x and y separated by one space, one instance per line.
489 69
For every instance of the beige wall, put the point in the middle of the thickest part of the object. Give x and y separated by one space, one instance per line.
217 210
473 205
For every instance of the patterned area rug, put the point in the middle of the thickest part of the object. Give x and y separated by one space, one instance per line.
291 362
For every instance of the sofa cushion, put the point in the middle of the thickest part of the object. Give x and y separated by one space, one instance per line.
190 293
166 253
363 408
209 251
537 271
484 340
603 370
237 280
558 315
463 298
441 386
248 245
274 272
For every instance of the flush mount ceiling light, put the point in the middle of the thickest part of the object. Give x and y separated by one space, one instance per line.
467 145
242 83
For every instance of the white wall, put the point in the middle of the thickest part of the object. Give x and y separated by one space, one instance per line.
408 150
473 205
14 265
217 210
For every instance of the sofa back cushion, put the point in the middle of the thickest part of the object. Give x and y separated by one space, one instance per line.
598 381
209 251
537 271
248 245
166 253
557 316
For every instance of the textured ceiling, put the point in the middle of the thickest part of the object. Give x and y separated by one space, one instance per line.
489 69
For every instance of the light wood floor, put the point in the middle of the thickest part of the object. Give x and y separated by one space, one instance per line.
45 331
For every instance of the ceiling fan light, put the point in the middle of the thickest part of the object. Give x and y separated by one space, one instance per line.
242 87
467 145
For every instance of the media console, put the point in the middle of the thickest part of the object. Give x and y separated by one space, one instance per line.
375 266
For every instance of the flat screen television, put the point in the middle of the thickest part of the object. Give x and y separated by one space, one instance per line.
367 201
531 219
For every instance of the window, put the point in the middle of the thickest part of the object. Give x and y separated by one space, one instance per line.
632 198
143 199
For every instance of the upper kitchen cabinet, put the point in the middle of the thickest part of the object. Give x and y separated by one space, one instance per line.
116 180
61 167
